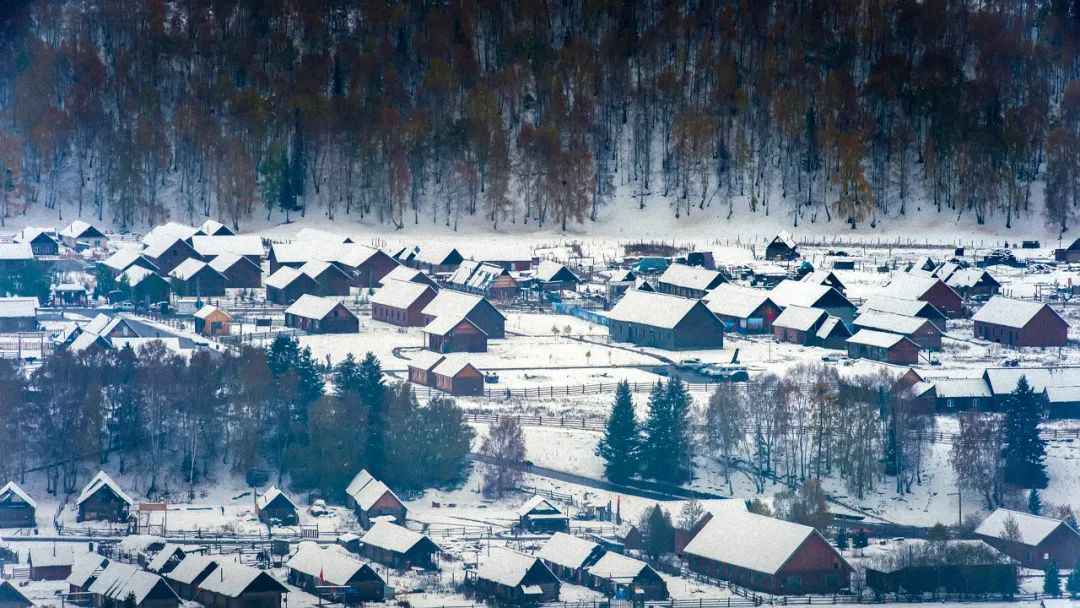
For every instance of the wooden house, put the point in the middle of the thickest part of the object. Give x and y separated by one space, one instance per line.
782 247
398 547
17 509
1039 541
18 314
910 308
82 232
799 324
767 554
489 280
569 557
366 266
554 276
274 506
400 272
812 295
186 577
930 289
288 284
167 254
617 575
102 499
688 281
457 305
239 272
144 286
506 576
664 321
212 321
883 346
121 585
918 330
1020 323
314 566
372 500
825 277
195 278
293 255
833 333
70 294
170 556
1068 254
318 315
450 374
85 571
1062 402
539 514
42 241
917 566
973 283
401 302
742 309
453 334
15 256
126 258
50 561
215 228
330 278
247 246
231 584
430 258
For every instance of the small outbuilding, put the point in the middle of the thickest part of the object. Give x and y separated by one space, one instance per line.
144 286
782 247
17 509
274 506
50 562
909 286
569 557
102 499
330 278
918 330
212 321
195 278
539 514
239 272
398 547
883 346
318 315
455 334
515 578
122 585
620 576
287 285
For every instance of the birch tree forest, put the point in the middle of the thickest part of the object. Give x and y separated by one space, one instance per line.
484 113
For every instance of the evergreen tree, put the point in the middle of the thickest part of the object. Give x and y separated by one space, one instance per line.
620 443
667 447
842 539
1024 450
657 435
860 540
1034 502
658 532
347 376
682 446
1052 579
372 391
1072 584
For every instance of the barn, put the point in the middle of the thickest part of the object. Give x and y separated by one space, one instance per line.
288 284
883 346
317 315
908 286
18 313
782 247
314 566
918 330
811 295
144 286
1019 323
167 232
908 308
212 321
195 278
330 278
506 576
477 309
234 585
239 272
17 509
664 321
455 334
399 547
799 324
102 499
401 302
489 280
371 499
625 577
688 281
1039 539
275 507
767 554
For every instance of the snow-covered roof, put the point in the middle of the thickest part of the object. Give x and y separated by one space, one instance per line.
283 277
331 563
300 252
11 490
399 294
830 325
887 321
652 308
208 310
964 278
730 300
880 339
311 307
165 234
370 493
118 581
451 366
691 277
270 495
1062 394
99 481
822 277
136 275
424 359
506 566
797 293
16 251
900 306
232 579
85 567
1003 380
243 244
617 567
392 537
1033 528
211 227
453 303
156 249
536 503
402 272
359 480
353 255
567 551
161 559
187 269
785 238
910 286
314 268
434 254
547 269
747 540
77 229
190 568
18 307
52 554
961 388
11 596
799 318
225 261
28 234
124 258
324 236
444 324
475 275
86 340
1010 313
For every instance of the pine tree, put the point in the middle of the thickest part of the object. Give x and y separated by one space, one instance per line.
372 393
658 531
682 448
1052 579
1034 502
656 442
1072 584
1024 450
620 443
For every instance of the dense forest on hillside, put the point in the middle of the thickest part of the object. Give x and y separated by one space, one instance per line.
538 111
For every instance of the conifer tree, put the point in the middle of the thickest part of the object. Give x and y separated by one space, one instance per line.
657 434
1024 450
619 445
1072 584
682 448
1052 579
372 392
1034 502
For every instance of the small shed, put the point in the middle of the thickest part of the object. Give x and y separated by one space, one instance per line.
17 509
515 578
554 276
102 499
812 295
215 228
782 247
883 346
1020 323
319 315
212 321
620 576
833 333
455 334
400 272
275 507
973 283
18 313
170 556
539 514
490 280
50 562
825 277
314 566
373 500
393 545
955 566
569 557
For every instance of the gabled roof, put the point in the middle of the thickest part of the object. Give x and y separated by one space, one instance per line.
270 495
125 258
691 277
965 278
370 493
399 294
360 480
476 275
12 492
169 232
961 388
569 551
911 286
52 554
32 233
190 568
1003 380
452 366
1033 528
887 321
797 293
507 567
823 277
186 270
750 541
312 307
731 300
832 325
425 359
901 306
10 595
406 273
163 556
284 277
80 229
456 304
100 481
392 537
548 270
353 255
651 308
444 324
784 238
135 275
244 244
215 228
799 318
617 567
86 567
879 339
223 262
537 503
208 310
330 563
86 340
159 247
119 581
232 579
18 307
16 251
435 254
315 268
1011 313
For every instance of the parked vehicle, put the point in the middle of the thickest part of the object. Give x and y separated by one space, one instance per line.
726 372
